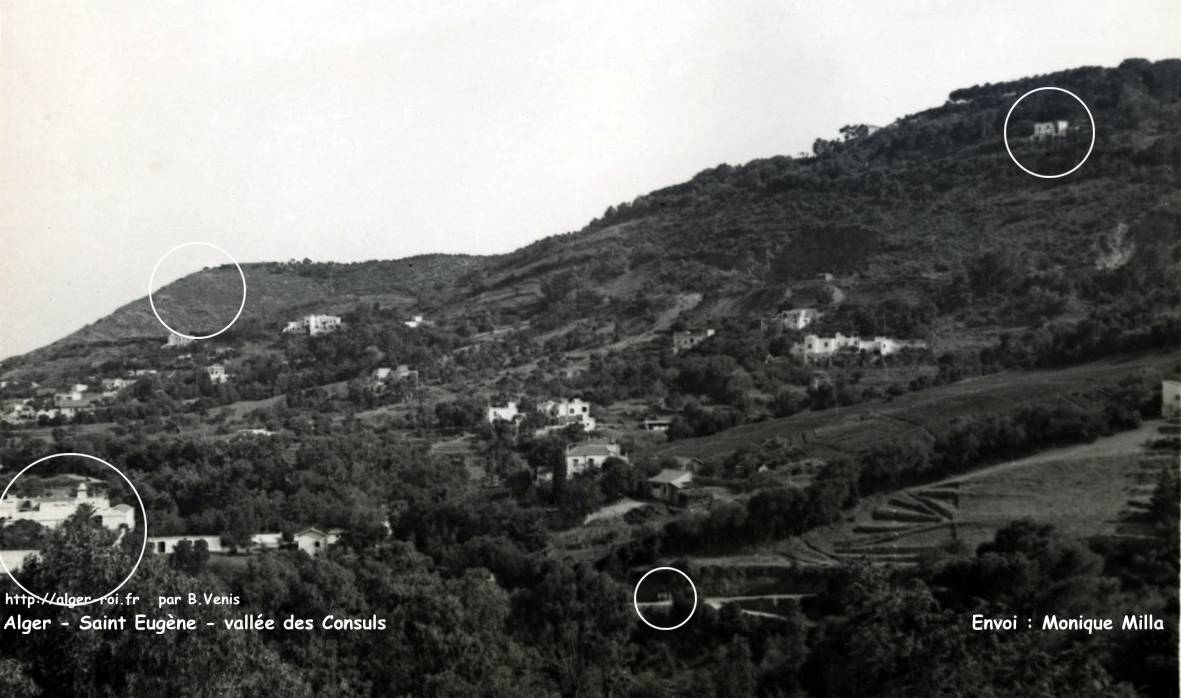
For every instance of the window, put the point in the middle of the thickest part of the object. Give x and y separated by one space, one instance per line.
161 547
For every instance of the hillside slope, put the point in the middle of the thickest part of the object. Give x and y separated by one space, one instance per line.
927 212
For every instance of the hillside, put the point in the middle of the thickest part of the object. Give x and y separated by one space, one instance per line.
909 212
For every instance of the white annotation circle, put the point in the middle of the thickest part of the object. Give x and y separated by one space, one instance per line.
1005 133
142 548
636 599
152 282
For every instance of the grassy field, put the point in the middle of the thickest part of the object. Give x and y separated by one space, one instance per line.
923 414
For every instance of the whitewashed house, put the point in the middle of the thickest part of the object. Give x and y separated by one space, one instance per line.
503 413
217 374
565 412
590 454
1050 129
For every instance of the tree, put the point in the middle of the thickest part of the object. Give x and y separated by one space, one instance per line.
190 558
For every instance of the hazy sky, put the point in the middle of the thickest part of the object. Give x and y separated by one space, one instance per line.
364 130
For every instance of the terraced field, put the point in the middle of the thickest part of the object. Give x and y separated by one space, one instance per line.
1084 490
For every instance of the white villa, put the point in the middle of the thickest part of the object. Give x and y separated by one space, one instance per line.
814 346
314 325
217 374
401 373
59 503
590 454
683 341
416 322
562 413
1170 399
505 413
1050 129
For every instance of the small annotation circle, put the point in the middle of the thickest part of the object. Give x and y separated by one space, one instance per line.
1005 133
636 598
152 283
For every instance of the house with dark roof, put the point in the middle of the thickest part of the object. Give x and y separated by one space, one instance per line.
668 484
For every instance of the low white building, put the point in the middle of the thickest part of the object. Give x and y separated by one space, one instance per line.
1170 399
590 454
166 545
416 322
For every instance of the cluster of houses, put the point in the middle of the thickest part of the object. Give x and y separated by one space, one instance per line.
313 325
559 414
815 347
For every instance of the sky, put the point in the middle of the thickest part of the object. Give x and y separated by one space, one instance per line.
349 131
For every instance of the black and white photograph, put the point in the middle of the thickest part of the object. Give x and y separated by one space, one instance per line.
458 348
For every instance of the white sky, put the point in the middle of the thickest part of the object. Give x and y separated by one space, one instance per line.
373 130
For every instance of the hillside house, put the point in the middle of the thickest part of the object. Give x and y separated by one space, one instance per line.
114 385
314 325
684 341
314 541
1170 399
217 374
1043 130
60 500
590 454
417 321
565 412
656 424
794 319
175 340
826 277
141 372
668 483
505 413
